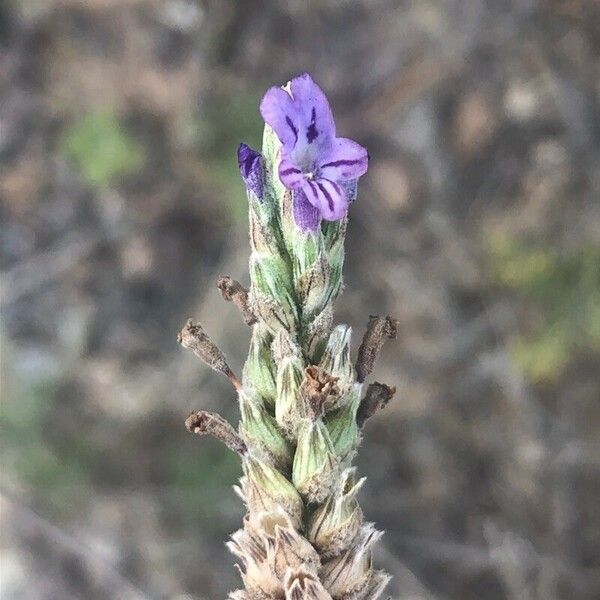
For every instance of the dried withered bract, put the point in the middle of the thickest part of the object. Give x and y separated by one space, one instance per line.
303 536
320 391
303 584
350 572
379 329
286 547
234 291
255 569
334 524
193 337
377 584
204 422
376 398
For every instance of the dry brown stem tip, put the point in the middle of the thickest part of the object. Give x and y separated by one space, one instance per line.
234 291
378 330
376 398
209 423
193 337
317 388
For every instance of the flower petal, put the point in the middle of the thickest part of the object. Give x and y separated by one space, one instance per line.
318 125
328 197
251 169
306 216
346 160
278 110
291 176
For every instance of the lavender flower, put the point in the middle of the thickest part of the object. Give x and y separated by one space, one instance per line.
314 161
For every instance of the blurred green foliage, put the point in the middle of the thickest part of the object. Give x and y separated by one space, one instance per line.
102 149
31 457
27 457
563 291
204 480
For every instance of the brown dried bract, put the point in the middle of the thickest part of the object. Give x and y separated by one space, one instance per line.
193 337
234 291
208 423
378 330
303 584
318 389
376 398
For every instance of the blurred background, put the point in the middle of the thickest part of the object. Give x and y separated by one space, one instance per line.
477 226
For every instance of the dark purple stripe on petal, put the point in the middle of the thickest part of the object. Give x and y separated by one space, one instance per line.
313 188
341 163
337 188
292 126
327 196
289 171
311 132
251 169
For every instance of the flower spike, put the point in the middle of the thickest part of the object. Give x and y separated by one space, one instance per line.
301 400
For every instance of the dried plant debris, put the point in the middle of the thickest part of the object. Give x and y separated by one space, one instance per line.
194 338
234 291
379 329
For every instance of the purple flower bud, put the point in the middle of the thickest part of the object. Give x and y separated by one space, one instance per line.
251 169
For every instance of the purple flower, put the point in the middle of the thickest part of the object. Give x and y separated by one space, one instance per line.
314 162
251 169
